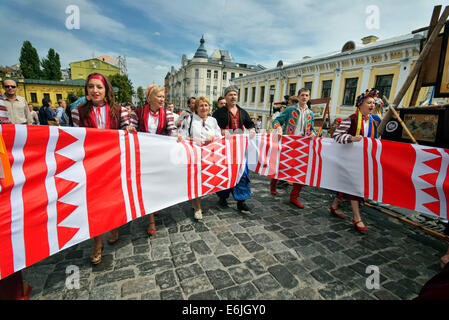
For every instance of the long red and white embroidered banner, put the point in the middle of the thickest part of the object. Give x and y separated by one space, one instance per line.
72 184
405 175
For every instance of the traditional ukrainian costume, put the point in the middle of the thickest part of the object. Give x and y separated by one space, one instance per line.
240 121
355 125
295 121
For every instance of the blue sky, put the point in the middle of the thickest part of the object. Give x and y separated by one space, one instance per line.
154 34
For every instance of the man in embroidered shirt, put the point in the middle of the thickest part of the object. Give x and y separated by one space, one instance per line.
297 120
233 117
17 106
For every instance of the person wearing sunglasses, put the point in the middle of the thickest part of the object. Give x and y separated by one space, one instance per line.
17 106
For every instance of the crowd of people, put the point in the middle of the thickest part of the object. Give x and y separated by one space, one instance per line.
99 110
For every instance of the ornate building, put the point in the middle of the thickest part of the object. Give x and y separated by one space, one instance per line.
340 75
204 75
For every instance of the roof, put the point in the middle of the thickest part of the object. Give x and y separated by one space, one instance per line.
359 48
201 51
76 82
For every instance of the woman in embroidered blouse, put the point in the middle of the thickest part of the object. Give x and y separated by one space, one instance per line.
155 119
101 112
352 129
202 129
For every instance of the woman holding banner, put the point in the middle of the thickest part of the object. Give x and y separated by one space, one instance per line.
352 129
100 111
155 119
202 129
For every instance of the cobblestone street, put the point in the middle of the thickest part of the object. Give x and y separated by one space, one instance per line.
276 252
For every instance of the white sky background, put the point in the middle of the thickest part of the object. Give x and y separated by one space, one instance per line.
154 34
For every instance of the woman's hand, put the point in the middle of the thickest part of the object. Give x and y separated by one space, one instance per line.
130 129
179 138
356 138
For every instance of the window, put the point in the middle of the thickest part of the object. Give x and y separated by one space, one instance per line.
326 90
350 91
215 90
46 96
240 74
262 93
272 88
208 74
308 85
292 91
383 84
232 75
253 94
58 97
216 74
246 95
33 96
197 73
196 88
225 75
207 90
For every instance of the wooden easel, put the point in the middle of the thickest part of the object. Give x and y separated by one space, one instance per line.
392 112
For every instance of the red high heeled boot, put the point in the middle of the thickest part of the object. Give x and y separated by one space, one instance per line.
273 183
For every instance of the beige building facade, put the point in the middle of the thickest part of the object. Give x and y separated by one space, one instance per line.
204 75
341 75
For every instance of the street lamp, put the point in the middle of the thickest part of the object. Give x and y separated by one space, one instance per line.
272 90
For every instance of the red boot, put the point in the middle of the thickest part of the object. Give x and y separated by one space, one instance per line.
295 194
273 183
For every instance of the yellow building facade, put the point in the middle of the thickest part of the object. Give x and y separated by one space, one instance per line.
340 75
81 69
35 90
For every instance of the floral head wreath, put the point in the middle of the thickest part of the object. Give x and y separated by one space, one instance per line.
373 93
379 102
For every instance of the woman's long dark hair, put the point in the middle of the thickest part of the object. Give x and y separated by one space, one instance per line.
86 108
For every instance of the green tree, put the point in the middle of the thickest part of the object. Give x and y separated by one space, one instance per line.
29 61
51 66
140 97
214 106
124 86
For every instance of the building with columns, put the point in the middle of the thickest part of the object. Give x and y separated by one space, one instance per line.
204 75
341 75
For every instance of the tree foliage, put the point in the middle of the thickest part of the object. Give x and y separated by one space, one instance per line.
29 61
51 66
140 97
124 86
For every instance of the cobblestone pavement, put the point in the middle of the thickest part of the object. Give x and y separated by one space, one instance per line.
276 252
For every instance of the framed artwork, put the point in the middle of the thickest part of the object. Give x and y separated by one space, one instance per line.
442 85
423 127
319 106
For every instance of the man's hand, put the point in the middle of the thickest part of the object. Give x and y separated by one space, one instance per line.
279 132
252 133
179 138
312 135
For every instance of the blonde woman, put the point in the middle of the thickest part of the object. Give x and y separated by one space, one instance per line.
202 129
155 119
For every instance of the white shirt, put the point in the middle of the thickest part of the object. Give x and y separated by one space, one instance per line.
200 129
153 122
101 123
300 125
